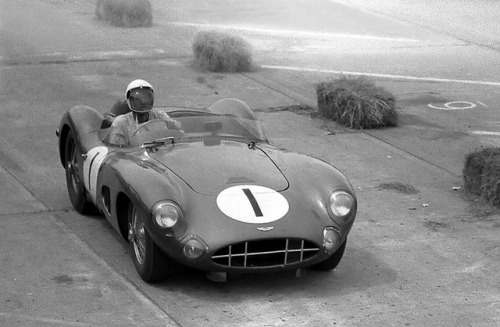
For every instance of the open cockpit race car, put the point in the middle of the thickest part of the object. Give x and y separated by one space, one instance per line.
214 195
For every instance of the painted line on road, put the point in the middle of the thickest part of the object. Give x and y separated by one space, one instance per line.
294 33
39 320
485 133
389 76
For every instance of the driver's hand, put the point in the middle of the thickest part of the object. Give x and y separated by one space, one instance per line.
173 124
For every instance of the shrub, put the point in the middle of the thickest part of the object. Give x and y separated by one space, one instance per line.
481 174
125 13
357 103
221 52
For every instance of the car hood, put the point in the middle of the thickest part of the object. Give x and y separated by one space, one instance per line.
210 168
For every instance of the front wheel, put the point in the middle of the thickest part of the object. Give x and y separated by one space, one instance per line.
151 264
333 261
76 189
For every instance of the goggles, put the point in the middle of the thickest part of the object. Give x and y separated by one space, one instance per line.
141 100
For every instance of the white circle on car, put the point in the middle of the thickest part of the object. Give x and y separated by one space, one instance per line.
252 204
91 165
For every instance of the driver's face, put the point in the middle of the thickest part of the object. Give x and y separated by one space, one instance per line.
141 100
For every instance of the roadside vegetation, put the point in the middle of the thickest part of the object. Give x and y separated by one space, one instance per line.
222 52
357 103
125 13
481 175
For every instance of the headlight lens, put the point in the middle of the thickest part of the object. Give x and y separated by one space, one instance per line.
331 240
341 203
166 214
193 248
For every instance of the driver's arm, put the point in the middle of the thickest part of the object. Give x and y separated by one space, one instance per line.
118 134
171 123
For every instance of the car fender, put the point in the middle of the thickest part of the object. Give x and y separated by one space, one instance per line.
85 122
314 180
140 180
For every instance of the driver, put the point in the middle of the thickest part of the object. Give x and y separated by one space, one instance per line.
139 99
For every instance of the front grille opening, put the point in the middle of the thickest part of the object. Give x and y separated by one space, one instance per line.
265 253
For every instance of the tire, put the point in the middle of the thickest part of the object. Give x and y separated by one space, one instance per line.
333 261
150 263
76 189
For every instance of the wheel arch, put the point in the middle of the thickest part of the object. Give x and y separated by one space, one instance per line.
121 209
63 136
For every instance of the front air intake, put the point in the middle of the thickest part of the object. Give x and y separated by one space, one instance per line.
265 253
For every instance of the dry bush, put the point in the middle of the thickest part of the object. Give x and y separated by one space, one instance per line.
481 174
357 103
221 52
125 13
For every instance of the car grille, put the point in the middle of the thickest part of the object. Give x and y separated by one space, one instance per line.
265 253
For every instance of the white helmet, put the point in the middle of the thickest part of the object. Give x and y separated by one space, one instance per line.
140 96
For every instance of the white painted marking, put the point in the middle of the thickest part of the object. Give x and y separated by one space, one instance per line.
482 104
91 166
235 204
485 133
454 105
389 76
103 55
295 33
41 320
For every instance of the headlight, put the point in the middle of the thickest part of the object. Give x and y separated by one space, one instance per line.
341 203
193 248
166 214
331 240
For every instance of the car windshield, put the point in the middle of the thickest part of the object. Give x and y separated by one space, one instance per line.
199 124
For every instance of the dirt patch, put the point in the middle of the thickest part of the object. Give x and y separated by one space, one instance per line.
399 188
435 225
421 99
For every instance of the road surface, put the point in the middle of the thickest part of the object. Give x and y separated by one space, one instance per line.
417 259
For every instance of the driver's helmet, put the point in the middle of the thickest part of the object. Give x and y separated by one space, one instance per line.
140 96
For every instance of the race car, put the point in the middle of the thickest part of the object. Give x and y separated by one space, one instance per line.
215 195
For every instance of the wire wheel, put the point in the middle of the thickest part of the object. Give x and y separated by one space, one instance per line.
137 236
149 261
76 189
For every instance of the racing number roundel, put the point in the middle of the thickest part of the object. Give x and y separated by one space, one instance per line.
91 165
252 204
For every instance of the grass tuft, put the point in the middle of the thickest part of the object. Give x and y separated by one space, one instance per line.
357 103
125 13
221 52
481 175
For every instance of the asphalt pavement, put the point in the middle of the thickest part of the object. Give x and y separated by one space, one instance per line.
49 276
475 21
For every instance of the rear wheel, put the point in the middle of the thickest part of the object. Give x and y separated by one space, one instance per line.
76 189
333 261
151 264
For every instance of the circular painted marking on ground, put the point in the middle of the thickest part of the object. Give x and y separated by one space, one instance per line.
454 105
252 204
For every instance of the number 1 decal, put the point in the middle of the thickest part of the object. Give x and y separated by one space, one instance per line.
252 204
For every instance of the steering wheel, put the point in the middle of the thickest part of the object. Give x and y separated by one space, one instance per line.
154 129
156 125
